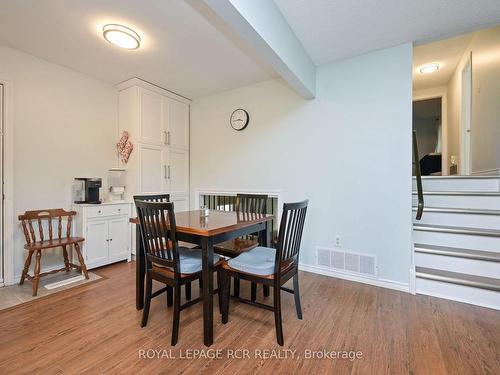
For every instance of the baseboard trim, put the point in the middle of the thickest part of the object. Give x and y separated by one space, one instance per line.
383 283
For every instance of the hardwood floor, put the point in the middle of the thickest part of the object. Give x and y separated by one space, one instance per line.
95 329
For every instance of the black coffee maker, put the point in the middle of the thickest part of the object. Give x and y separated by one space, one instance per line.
86 190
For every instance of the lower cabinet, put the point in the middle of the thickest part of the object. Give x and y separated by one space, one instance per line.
106 230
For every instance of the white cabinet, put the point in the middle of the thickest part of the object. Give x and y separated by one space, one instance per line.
158 123
106 230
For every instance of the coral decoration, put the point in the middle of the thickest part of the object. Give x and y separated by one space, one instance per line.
124 147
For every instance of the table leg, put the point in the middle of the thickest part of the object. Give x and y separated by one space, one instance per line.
208 290
140 270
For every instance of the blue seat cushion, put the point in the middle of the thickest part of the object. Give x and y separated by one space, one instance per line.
190 260
258 261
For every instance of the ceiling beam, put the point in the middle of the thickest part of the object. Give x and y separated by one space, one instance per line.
262 27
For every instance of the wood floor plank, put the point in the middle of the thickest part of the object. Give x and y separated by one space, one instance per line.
95 329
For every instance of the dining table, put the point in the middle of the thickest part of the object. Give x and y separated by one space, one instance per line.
205 231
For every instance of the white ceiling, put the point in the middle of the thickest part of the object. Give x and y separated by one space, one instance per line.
336 29
181 50
446 52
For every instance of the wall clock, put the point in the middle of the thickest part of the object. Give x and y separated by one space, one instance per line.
239 119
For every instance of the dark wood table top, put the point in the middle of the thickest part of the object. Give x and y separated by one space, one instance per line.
216 222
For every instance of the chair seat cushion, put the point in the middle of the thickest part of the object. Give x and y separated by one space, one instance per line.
258 261
190 260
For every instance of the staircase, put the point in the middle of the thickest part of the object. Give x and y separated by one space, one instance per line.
457 240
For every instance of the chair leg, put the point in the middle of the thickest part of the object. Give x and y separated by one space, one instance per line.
236 282
188 291
253 292
219 288
296 294
27 264
277 314
147 300
80 259
226 295
177 314
36 277
200 283
170 296
266 291
66 259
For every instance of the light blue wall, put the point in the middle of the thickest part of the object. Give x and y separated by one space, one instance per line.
348 151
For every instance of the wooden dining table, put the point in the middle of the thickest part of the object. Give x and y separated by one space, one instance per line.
205 231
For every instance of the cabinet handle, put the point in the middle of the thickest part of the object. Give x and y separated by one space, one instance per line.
165 172
99 211
168 138
168 169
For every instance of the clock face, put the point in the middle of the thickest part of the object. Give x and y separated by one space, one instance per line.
239 119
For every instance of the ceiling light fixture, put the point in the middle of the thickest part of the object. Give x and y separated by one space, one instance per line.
121 36
429 68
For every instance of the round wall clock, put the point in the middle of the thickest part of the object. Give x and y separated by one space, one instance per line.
239 119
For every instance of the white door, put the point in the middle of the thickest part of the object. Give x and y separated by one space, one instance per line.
153 170
1 189
178 171
152 117
118 238
178 124
96 243
465 119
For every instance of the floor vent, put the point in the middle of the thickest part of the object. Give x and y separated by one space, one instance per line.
347 261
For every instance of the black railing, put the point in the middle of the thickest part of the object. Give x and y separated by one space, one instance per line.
418 178
226 202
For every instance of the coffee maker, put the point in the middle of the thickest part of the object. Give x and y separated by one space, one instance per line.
86 190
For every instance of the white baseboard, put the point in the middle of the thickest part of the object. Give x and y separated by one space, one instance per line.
487 172
17 278
383 283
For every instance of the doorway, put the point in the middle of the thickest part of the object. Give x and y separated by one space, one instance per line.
427 122
2 260
465 118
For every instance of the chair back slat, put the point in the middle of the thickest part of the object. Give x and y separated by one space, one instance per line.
30 219
158 234
153 198
290 233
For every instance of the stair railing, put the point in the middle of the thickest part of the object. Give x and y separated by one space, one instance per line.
418 177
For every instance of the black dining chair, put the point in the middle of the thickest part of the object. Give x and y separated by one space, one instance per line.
166 262
245 204
164 198
272 267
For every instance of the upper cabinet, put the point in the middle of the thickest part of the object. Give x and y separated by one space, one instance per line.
158 123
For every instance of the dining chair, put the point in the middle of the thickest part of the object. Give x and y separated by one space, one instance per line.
245 204
272 267
164 198
166 262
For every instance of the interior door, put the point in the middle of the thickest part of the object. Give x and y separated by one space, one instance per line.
465 119
153 171
96 242
118 238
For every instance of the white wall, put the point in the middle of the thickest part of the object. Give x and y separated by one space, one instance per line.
348 151
65 126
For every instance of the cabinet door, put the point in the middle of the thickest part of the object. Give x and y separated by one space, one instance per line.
151 117
118 238
180 203
153 171
177 124
96 242
178 171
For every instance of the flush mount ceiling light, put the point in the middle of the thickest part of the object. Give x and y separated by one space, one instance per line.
121 36
429 68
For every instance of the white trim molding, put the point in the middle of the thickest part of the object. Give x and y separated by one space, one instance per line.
383 283
8 171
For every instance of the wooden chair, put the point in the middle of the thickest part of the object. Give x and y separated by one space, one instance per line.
272 267
166 262
165 198
32 219
245 204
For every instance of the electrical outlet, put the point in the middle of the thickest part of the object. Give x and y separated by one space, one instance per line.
338 242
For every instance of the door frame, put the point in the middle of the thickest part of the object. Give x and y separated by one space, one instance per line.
8 182
465 117
435 93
